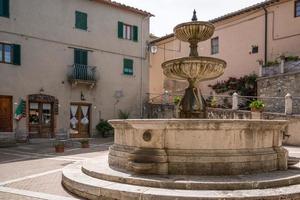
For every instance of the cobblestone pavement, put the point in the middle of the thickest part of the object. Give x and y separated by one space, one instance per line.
33 171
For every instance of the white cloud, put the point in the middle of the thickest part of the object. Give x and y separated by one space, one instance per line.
169 13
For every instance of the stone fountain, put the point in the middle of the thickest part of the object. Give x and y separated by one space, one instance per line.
194 68
189 159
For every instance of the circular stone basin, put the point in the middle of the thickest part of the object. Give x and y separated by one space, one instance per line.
198 146
199 31
195 68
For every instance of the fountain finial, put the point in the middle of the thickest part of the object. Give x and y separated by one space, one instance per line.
194 16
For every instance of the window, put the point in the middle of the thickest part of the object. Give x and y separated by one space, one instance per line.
215 45
80 20
297 8
80 56
10 54
127 32
254 49
128 67
4 8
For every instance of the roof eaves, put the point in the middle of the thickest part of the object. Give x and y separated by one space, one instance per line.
123 6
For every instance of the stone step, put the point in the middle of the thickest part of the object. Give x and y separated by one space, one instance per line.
99 168
88 187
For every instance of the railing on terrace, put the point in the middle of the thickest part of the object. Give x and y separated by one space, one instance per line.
82 74
164 103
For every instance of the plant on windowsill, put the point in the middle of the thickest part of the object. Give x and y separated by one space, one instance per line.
257 106
85 143
59 147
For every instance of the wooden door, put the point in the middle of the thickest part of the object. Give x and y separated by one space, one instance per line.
80 120
41 119
6 123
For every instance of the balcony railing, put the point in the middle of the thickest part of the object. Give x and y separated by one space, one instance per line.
82 74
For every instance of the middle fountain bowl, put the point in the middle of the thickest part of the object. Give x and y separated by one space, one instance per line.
194 69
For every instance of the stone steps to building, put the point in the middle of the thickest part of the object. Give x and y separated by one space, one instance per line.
90 187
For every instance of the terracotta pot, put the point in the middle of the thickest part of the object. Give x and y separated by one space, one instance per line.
85 145
59 148
256 110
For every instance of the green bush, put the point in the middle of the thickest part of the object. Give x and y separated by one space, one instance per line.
176 100
103 127
257 105
124 114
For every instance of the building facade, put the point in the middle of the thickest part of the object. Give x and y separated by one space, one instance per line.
66 64
245 39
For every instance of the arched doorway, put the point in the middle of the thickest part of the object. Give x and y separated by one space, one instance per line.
41 115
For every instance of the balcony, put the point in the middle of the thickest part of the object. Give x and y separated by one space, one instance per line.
82 74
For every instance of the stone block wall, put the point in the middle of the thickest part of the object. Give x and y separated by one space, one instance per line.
278 86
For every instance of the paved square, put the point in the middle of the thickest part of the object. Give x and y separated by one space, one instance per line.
33 171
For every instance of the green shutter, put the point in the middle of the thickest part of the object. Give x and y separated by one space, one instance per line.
135 33
84 57
80 20
16 54
120 30
4 8
128 66
80 57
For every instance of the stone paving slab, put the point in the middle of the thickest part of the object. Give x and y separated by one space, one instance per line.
49 183
10 196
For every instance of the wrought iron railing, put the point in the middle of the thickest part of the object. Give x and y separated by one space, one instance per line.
82 73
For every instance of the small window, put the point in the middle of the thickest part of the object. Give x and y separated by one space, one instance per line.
80 20
254 49
10 54
128 32
80 56
297 8
215 45
128 67
4 8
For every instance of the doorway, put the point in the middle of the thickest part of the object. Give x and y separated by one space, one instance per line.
41 111
80 120
6 109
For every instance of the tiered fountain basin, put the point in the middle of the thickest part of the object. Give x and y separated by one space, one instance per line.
194 68
198 146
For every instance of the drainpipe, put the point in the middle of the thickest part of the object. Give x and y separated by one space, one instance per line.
142 60
266 35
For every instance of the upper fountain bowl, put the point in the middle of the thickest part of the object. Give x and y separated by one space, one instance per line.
194 31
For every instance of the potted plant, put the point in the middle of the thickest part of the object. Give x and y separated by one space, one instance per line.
59 147
84 143
104 128
257 107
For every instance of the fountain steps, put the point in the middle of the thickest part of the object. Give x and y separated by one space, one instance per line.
94 179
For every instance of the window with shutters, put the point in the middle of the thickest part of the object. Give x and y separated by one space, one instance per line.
81 20
10 54
4 8
128 66
128 32
215 45
297 8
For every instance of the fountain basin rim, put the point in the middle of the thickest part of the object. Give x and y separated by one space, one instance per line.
203 23
194 58
121 121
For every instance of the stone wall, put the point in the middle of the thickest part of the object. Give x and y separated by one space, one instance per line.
278 86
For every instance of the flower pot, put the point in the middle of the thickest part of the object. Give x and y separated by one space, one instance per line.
85 145
59 148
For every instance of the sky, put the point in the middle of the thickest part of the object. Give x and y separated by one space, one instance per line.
169 13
